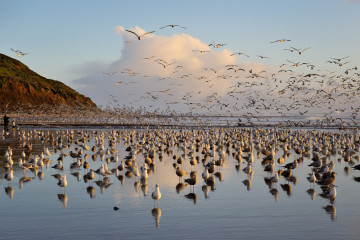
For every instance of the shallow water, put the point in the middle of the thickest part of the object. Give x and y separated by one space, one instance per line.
230 210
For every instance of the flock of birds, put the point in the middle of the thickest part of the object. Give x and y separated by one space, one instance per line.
323 97
190 151
295 87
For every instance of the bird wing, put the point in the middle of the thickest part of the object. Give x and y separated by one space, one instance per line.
132 32
147 33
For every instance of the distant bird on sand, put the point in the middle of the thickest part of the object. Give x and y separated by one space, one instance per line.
141 36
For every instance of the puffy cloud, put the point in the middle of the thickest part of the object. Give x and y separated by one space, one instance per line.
178 72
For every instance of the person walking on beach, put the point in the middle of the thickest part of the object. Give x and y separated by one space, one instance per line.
6 122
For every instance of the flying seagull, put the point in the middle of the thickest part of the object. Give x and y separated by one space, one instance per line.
19 53
172 25
110 74
281 40
139 37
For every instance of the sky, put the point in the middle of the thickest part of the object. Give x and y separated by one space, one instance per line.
80 43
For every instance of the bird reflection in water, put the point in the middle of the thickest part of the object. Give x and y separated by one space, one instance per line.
9 192
275 193
144 188
180 186
192 196
23 180
104 184
205 189
293 179
91 191
156 213
63 199
137 186
286 188
268 182
312 193
330 209
121 178
40 175
211 182
77 175
219 176
247 183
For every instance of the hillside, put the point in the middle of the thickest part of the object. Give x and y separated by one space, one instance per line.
20 87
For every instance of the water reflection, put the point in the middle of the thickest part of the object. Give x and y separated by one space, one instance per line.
330 209
286 188
104 184
156 213
77 175
201 150
312 193
9 192
275 193
180 186
137 186
192 196
247 183
24 180
63 199
40 175
91 191
205 189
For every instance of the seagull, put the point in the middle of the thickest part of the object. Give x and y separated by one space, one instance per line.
62 182
239 53
110 74
156 195
172 25
281 40
201 51
120 82
217 45
139 37
312 178
300 51
330 193
339 59
19 53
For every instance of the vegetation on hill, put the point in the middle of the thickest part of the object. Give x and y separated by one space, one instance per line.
20 87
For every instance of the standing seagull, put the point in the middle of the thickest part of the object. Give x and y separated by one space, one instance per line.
62 182
139 37
156 195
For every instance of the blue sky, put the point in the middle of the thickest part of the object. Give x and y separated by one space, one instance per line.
63 38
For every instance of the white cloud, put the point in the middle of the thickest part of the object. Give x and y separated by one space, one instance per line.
172 72
183 74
